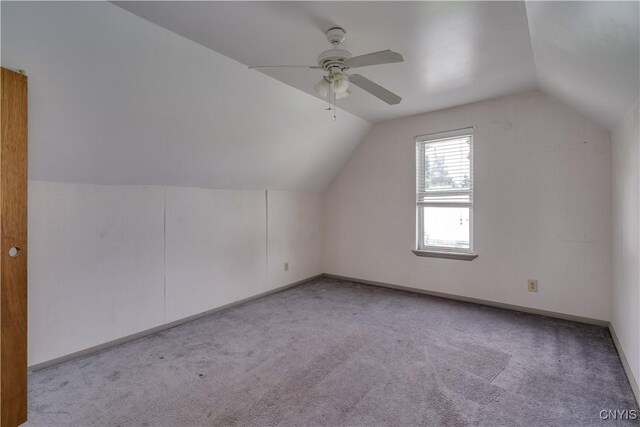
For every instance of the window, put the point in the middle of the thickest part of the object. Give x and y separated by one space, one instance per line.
444 192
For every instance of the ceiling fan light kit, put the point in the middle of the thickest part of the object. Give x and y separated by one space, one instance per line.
340 95
340 84
335 84
322 88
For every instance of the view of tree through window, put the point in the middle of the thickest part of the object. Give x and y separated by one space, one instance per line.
445 192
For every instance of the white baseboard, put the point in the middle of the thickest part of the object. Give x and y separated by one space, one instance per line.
159 328
625 364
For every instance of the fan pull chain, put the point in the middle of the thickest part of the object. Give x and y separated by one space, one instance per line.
334 106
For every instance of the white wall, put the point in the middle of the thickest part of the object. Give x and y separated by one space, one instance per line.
95 265
295 235
107 261
542 207
215 248
625 161
115 99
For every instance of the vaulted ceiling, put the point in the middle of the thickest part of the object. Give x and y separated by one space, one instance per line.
587 54
584 53
115 99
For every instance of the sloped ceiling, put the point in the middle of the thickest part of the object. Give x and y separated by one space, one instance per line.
115 99
584 53
455 52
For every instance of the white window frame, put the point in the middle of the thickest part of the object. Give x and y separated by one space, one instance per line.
421 140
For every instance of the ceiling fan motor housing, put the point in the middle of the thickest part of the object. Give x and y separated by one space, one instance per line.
333 58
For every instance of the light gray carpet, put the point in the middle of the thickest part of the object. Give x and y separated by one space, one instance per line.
338 353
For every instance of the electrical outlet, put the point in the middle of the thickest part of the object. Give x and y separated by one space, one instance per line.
532 285
286 266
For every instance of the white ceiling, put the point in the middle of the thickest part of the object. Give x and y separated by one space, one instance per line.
115 99
585 53
454 53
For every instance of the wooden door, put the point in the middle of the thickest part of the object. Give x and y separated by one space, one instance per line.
13 248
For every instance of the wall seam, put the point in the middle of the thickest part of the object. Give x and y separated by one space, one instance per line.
164 253
266 240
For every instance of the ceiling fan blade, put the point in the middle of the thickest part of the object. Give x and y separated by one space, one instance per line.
375 58
255 67
375 89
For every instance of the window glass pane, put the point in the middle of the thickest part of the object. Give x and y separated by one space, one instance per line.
446 227
447 164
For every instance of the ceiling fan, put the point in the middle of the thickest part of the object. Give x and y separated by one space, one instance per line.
336 61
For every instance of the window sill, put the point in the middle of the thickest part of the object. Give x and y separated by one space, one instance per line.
448 255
